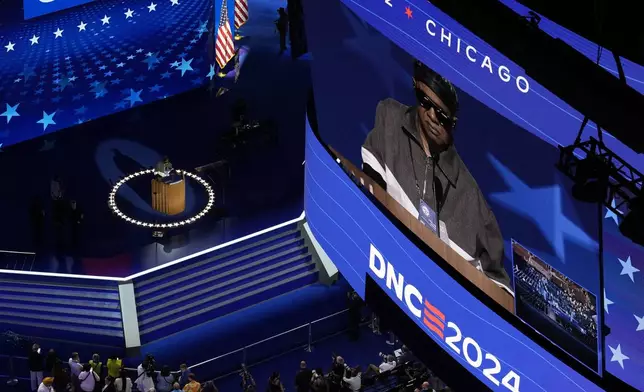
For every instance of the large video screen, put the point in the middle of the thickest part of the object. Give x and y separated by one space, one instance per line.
82 60
555 306
362 241
466 142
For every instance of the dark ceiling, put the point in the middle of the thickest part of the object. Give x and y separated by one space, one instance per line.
615 25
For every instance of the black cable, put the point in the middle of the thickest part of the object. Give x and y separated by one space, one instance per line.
600 328
436 205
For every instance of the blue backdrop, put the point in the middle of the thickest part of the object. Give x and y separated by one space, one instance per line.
72 66
507 133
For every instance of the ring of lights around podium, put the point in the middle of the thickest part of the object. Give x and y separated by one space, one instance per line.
114 207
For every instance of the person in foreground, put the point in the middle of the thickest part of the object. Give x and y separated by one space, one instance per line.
47 385
410 153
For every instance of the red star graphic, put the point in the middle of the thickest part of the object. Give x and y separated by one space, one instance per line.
408 12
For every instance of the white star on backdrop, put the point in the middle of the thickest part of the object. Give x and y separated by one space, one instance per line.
174 2
58 33
640 323
129 14
10 46
627 268
34 40
106 20
617 355
82 26
606 302
152 7
522 199
47 120
611 215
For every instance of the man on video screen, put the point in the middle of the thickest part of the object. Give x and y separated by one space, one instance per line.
410 153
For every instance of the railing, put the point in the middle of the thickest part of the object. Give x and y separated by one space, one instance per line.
148 271
12 378
302 337
17 261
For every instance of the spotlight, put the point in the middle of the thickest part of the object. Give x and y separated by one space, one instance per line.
591 180
632 225
115 187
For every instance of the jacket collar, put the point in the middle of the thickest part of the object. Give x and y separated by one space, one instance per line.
449 162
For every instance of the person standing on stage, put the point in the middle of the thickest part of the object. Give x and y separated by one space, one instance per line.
163 168
75 220
282 28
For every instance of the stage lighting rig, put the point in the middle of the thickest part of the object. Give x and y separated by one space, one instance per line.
603 177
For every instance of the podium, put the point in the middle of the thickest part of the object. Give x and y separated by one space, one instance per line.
453 259
169 194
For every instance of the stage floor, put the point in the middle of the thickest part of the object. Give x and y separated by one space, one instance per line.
159 251
265 186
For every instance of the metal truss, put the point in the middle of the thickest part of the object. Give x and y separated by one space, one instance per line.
624 181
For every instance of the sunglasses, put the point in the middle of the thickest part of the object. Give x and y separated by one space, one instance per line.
446 121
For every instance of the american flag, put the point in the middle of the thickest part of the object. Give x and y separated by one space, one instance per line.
224 45
241 13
